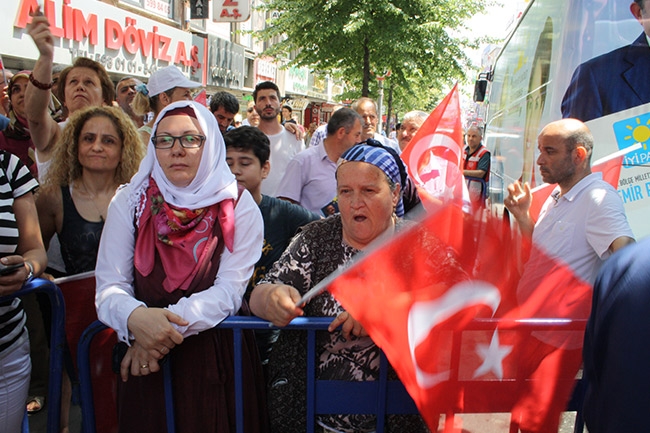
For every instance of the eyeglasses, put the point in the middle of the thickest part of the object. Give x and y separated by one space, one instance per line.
188 141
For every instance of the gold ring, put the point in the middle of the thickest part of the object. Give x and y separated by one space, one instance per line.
143 366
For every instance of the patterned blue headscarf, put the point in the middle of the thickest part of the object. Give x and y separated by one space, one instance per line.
380 158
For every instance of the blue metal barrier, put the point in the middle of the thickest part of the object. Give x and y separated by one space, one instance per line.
57 345
85 382
379 397
329 396
322 396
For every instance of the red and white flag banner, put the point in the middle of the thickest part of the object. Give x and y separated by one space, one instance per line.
433 156
462 327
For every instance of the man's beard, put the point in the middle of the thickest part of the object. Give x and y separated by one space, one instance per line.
265 116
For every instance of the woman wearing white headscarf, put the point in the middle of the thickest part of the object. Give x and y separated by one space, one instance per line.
178 248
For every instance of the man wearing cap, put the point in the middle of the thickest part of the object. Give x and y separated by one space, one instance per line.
284 145
309 179
165 86
225 107
124 94
170 85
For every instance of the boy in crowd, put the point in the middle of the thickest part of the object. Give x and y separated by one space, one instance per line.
247 155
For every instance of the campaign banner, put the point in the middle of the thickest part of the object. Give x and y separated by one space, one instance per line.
620 131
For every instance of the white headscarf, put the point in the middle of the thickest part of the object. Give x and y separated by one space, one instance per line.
213 182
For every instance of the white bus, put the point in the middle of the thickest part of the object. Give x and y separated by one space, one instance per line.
530 79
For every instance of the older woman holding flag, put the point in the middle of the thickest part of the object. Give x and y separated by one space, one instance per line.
370 204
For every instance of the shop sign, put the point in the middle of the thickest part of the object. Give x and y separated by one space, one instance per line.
297 80
226 60
119 40
337 90
199 9
318 88
265 71
199 51
231 10
299 103
159 7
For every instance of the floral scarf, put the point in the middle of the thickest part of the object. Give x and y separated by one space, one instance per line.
182 238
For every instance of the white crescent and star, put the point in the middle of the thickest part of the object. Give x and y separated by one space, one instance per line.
493 356
426 315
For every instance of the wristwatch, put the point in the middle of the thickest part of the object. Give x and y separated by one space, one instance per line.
31 270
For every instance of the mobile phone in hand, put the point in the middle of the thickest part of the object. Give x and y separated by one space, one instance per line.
10 269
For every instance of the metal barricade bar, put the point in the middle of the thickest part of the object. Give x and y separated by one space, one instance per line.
390 397
57 344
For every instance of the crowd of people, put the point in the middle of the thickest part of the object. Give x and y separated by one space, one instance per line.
187 218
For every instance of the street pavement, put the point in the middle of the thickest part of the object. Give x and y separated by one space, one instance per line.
470 423
38 421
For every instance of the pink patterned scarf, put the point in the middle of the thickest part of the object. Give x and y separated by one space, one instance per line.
183 238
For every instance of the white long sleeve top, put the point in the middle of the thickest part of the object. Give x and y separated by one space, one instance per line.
115 300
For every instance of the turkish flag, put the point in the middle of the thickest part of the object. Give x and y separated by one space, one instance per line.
433 156
447 303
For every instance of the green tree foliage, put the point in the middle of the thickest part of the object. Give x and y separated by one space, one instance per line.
359 39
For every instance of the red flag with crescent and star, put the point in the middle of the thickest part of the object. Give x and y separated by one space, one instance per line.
454 321
434 154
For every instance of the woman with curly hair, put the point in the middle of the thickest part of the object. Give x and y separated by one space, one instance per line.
99 150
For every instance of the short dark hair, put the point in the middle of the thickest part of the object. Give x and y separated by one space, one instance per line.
343 118
249 138
225 100
264 85
108 91
288 108
580 137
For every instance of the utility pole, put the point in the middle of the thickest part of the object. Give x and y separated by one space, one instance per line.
380 99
